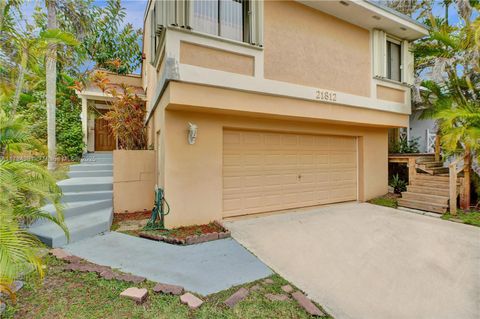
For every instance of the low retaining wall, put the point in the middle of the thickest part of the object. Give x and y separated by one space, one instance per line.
133 180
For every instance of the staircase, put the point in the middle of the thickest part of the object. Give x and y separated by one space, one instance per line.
429 189
87 199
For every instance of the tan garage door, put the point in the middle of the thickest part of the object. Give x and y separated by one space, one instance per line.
265 171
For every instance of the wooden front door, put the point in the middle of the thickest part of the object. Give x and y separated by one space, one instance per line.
104 140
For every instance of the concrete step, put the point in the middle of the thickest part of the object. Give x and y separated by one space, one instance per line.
80 227
429 207
86 196
90 167
77 208
425 198
98 155
86 184
90 173
96 160
439 191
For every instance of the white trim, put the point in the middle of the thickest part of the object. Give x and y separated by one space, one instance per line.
198 75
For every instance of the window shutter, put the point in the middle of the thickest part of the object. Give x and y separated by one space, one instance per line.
256 23
407 63
379 51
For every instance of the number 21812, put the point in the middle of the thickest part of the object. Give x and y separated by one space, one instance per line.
326 96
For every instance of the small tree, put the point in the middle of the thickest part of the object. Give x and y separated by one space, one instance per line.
126 118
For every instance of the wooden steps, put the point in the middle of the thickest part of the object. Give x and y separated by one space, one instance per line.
429 190
436 208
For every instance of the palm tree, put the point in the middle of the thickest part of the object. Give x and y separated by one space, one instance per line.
51 72
24 188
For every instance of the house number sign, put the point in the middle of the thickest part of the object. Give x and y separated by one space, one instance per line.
328 96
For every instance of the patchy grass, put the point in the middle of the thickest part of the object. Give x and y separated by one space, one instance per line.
65 294
470 218
388 200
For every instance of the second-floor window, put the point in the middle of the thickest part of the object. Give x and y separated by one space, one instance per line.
394 57
224 18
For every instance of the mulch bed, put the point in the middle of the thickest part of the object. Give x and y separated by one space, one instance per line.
119 217
188 235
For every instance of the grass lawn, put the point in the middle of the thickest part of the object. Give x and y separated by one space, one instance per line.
471 218
388 200
65 294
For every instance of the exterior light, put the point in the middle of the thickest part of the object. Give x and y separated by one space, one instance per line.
192 133
403 28
346 4
376 17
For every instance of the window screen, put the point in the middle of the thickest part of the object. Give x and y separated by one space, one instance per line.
393 61
224 18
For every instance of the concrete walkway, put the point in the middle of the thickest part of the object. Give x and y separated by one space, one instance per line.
203 268
366 261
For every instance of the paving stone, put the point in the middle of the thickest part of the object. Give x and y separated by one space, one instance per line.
190 240
192 301
307 304
17 285
277 297
72 259
72 267
287 288
223 235
59 253
268 281
137 294
130 278
168 289
107 274
236 297
256 287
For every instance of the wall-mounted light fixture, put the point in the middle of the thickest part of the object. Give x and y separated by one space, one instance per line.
192 133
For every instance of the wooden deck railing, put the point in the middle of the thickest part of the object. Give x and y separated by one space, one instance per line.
465 185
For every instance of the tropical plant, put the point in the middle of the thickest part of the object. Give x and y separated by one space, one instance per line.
126 118
448 63
24 188
405 146
112 40
398 184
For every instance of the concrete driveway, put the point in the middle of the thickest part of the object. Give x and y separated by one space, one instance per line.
364 261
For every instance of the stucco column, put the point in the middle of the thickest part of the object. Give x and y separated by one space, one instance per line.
84 117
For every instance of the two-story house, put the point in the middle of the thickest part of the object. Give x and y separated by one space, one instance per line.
260 106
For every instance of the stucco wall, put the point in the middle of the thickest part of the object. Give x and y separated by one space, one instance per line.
216 59
133 180
193 173
308 47
231 101
390 94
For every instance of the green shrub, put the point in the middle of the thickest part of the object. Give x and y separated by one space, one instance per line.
398 184
405 146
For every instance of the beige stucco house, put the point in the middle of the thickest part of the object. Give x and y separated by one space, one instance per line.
261 106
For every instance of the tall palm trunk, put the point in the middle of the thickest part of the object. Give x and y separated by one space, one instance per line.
51 81
21 76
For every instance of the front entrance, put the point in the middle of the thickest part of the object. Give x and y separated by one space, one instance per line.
267 171
104 140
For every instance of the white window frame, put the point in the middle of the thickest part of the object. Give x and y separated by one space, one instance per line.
379 57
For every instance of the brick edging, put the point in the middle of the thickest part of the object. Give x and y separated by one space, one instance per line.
191 240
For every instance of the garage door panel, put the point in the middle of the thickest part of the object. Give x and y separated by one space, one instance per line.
265 171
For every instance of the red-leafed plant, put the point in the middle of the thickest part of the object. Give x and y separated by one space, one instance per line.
126 118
